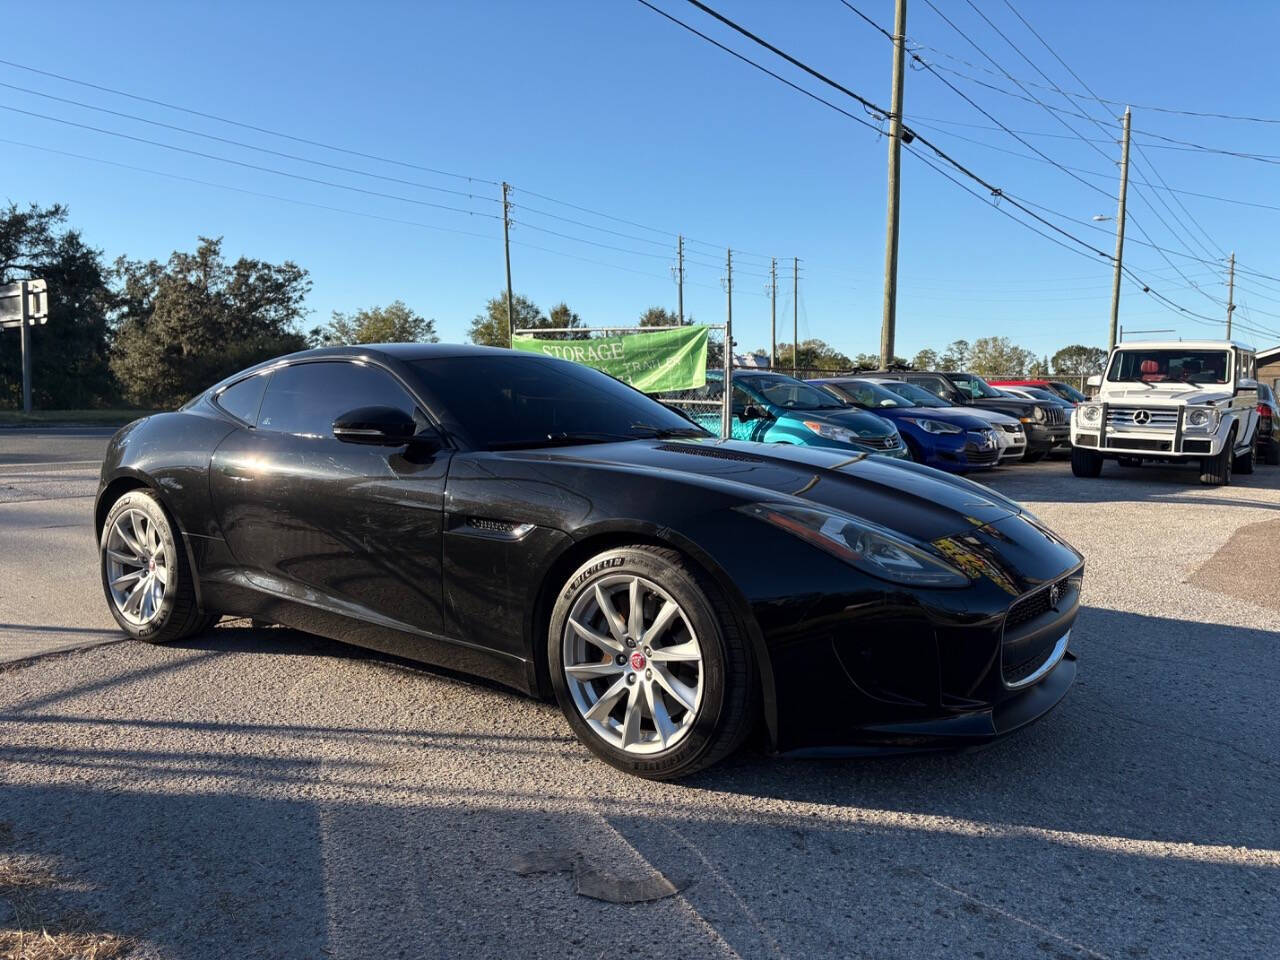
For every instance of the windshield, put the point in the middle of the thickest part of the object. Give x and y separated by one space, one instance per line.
506 402
1068 392
1170 366
915 396
868 395
975 386
789 394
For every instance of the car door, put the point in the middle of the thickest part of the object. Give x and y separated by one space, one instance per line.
347 526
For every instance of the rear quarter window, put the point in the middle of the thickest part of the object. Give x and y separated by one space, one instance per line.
243 399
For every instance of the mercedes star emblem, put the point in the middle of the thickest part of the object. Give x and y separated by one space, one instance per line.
1142 417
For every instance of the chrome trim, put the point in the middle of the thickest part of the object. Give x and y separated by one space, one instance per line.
1055 657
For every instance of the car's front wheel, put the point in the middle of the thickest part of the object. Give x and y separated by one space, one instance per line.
145 574
1216 471
1034 456
1085 463
649 664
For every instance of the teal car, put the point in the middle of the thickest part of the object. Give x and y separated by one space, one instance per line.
774 408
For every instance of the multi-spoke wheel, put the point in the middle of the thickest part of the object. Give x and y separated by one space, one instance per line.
649 664
145 574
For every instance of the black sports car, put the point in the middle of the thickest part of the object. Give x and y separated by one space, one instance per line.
539 523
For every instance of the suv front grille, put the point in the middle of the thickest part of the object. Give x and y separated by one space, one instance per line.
1053 415
1122 418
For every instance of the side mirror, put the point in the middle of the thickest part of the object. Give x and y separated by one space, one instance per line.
378 426
1095 380
753 412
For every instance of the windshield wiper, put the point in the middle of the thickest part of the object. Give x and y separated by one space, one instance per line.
560 439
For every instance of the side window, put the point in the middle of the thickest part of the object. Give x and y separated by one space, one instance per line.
307 397
933 385
242 399
740 400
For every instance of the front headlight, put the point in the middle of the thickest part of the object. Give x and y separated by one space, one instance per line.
864 545
1038 413
934 426
1202 418
831 431
1090 413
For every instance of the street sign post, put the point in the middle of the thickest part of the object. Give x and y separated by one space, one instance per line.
24 304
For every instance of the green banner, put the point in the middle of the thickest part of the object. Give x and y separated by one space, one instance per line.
651 362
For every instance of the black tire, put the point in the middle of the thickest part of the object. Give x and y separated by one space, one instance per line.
728 709
1085 463
1216 471
1243 464
1129 461
1034 456
913 448
1271 453
177 615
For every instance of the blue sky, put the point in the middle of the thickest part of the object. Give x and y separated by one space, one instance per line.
609 107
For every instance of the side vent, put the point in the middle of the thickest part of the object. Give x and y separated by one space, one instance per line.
494 529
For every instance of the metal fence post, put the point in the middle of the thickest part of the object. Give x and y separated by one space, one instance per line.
25 335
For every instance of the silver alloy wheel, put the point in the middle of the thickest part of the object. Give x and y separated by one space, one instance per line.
138 568
636 676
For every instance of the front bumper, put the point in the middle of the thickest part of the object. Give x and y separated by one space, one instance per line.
1163 443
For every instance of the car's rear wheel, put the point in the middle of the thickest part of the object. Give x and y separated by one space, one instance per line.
1216 471
145 574
649 664
1085 463
1272 453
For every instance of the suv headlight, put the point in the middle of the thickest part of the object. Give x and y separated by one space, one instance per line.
1039 413
870 548
1202 417
1091 413
934 426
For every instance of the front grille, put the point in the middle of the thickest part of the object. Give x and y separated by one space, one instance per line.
1011 427
879 443
1136 443
1161 418
976 456
1034 626
1053 416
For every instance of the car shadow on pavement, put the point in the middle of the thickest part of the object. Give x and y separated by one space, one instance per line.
1137 820
1130 485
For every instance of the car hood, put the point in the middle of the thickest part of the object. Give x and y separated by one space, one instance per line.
961 418
914 500
862 422
990 416
1158 394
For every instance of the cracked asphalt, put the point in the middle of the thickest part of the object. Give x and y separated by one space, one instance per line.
263 793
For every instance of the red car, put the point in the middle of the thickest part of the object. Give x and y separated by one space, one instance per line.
1064 390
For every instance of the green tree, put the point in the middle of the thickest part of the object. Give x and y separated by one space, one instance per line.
926 359
995 356
394 323
871 361
1039 368
662 317
190 322
1078 360
956 356
814 354
490 327
69 366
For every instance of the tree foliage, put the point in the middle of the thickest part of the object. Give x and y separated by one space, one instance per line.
394 323
925 359
1078 360
662 317
814 354
69 365
956 356
995 356
187 323
489 328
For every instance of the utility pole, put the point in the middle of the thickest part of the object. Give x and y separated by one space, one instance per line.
890 315
1119 264
1231 292
773 313
25 334
506 243
795 314
726 419
680 276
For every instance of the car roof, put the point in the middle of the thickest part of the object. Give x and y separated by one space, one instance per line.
1183 345
407 351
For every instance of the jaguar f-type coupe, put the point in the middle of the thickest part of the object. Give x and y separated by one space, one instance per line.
541 524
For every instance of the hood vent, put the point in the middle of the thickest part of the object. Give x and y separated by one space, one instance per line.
698 450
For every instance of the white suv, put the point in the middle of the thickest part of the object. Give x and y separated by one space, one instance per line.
1171 400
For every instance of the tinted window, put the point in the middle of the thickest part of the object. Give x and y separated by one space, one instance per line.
789 394
867 394
1170 365
510 402
916 396
307 397
242 399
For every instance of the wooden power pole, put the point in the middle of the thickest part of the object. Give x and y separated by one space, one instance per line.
506 244
889 318
773 313
726 419
1231 292
795 314
1119 258
680 277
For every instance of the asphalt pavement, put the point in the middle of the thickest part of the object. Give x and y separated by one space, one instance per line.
263 793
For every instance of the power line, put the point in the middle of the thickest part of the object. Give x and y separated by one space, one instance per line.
247 165
245 126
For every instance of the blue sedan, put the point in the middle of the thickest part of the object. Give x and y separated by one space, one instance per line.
954 441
